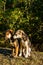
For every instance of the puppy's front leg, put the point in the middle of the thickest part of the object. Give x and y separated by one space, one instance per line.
17 50
20 52
20 49
26 55
29 51
16 47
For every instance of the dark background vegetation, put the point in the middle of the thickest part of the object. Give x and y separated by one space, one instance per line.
22 14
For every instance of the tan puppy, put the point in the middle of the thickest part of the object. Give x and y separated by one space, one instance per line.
13 42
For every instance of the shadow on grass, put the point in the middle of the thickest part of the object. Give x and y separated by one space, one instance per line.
5 51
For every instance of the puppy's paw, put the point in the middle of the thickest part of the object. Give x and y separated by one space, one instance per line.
20 54
15 56
29 54
26 56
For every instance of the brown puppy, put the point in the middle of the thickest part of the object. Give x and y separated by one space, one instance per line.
24 43
13 42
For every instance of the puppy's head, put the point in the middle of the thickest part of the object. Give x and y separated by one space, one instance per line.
8 34
19 33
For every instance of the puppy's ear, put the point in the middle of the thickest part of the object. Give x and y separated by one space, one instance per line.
11 31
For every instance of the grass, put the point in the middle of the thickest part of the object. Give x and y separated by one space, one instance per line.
5 59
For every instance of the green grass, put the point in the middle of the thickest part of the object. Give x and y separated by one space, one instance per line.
35 59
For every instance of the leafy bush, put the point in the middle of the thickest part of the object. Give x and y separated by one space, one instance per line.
23 14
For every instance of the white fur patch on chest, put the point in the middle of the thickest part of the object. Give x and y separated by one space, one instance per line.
16 36
9 36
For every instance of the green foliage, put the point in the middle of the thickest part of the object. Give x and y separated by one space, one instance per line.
23 14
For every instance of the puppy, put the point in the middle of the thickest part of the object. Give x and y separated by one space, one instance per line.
13 42
25 44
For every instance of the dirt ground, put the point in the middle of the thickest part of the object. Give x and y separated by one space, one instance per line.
5 58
